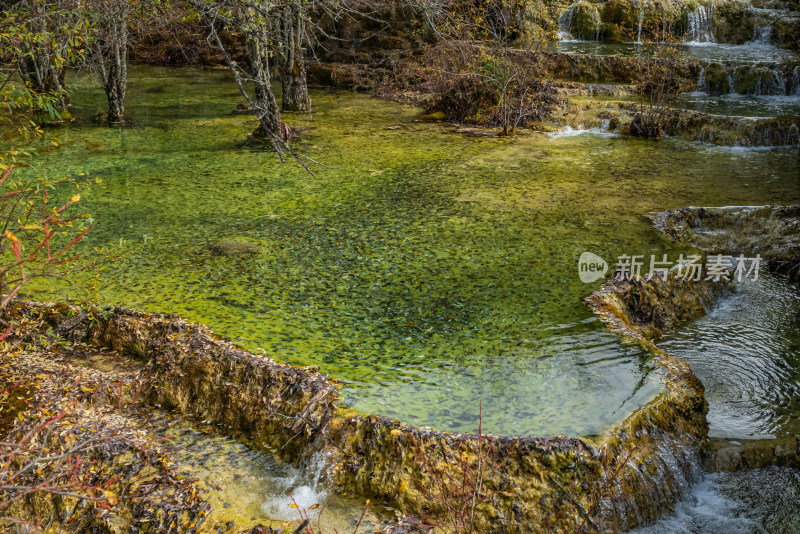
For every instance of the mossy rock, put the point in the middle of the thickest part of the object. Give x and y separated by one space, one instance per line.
751 80
435 116
733 24
615 12
612 33
582 21
716 76
546 127
786 34
233 248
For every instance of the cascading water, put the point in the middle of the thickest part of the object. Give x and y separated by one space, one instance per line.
298 491
641 22
701 81
700 25
778 86
796 81
762 33
731 83
580 21
565 23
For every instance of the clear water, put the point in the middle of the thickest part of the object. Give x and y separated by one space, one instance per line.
251 488
754 501
747 353
428 271
750 52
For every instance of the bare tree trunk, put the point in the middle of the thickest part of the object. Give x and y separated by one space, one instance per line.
265 104
249 18
292 64
111 55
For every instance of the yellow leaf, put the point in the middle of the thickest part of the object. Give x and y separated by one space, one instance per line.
75 198
110 497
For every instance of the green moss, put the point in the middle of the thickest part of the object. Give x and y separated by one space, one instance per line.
717 80
435 116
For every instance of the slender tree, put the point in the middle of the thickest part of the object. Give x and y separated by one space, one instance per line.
292 32
41 38
250 19
108 52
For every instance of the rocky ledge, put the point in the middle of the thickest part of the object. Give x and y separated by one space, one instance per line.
626 477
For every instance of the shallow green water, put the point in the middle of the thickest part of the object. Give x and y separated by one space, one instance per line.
428 271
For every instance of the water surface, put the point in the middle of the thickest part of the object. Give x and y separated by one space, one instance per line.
747 353
428 271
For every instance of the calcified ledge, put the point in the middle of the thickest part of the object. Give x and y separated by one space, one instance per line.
629 476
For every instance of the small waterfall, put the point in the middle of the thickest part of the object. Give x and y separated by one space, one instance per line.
700 25
580 21
641 21
299 489
779 86
565 24
760 79
701 81
762 34
731 83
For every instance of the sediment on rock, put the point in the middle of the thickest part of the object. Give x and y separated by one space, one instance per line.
771 231
643 309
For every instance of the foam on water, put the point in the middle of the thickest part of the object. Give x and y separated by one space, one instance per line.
568 131
745 502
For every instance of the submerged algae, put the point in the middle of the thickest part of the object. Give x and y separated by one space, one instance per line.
427 272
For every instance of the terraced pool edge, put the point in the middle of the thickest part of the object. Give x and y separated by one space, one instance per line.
627 477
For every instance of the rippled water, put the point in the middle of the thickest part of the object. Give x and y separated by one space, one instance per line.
747 353
755 501
428 271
